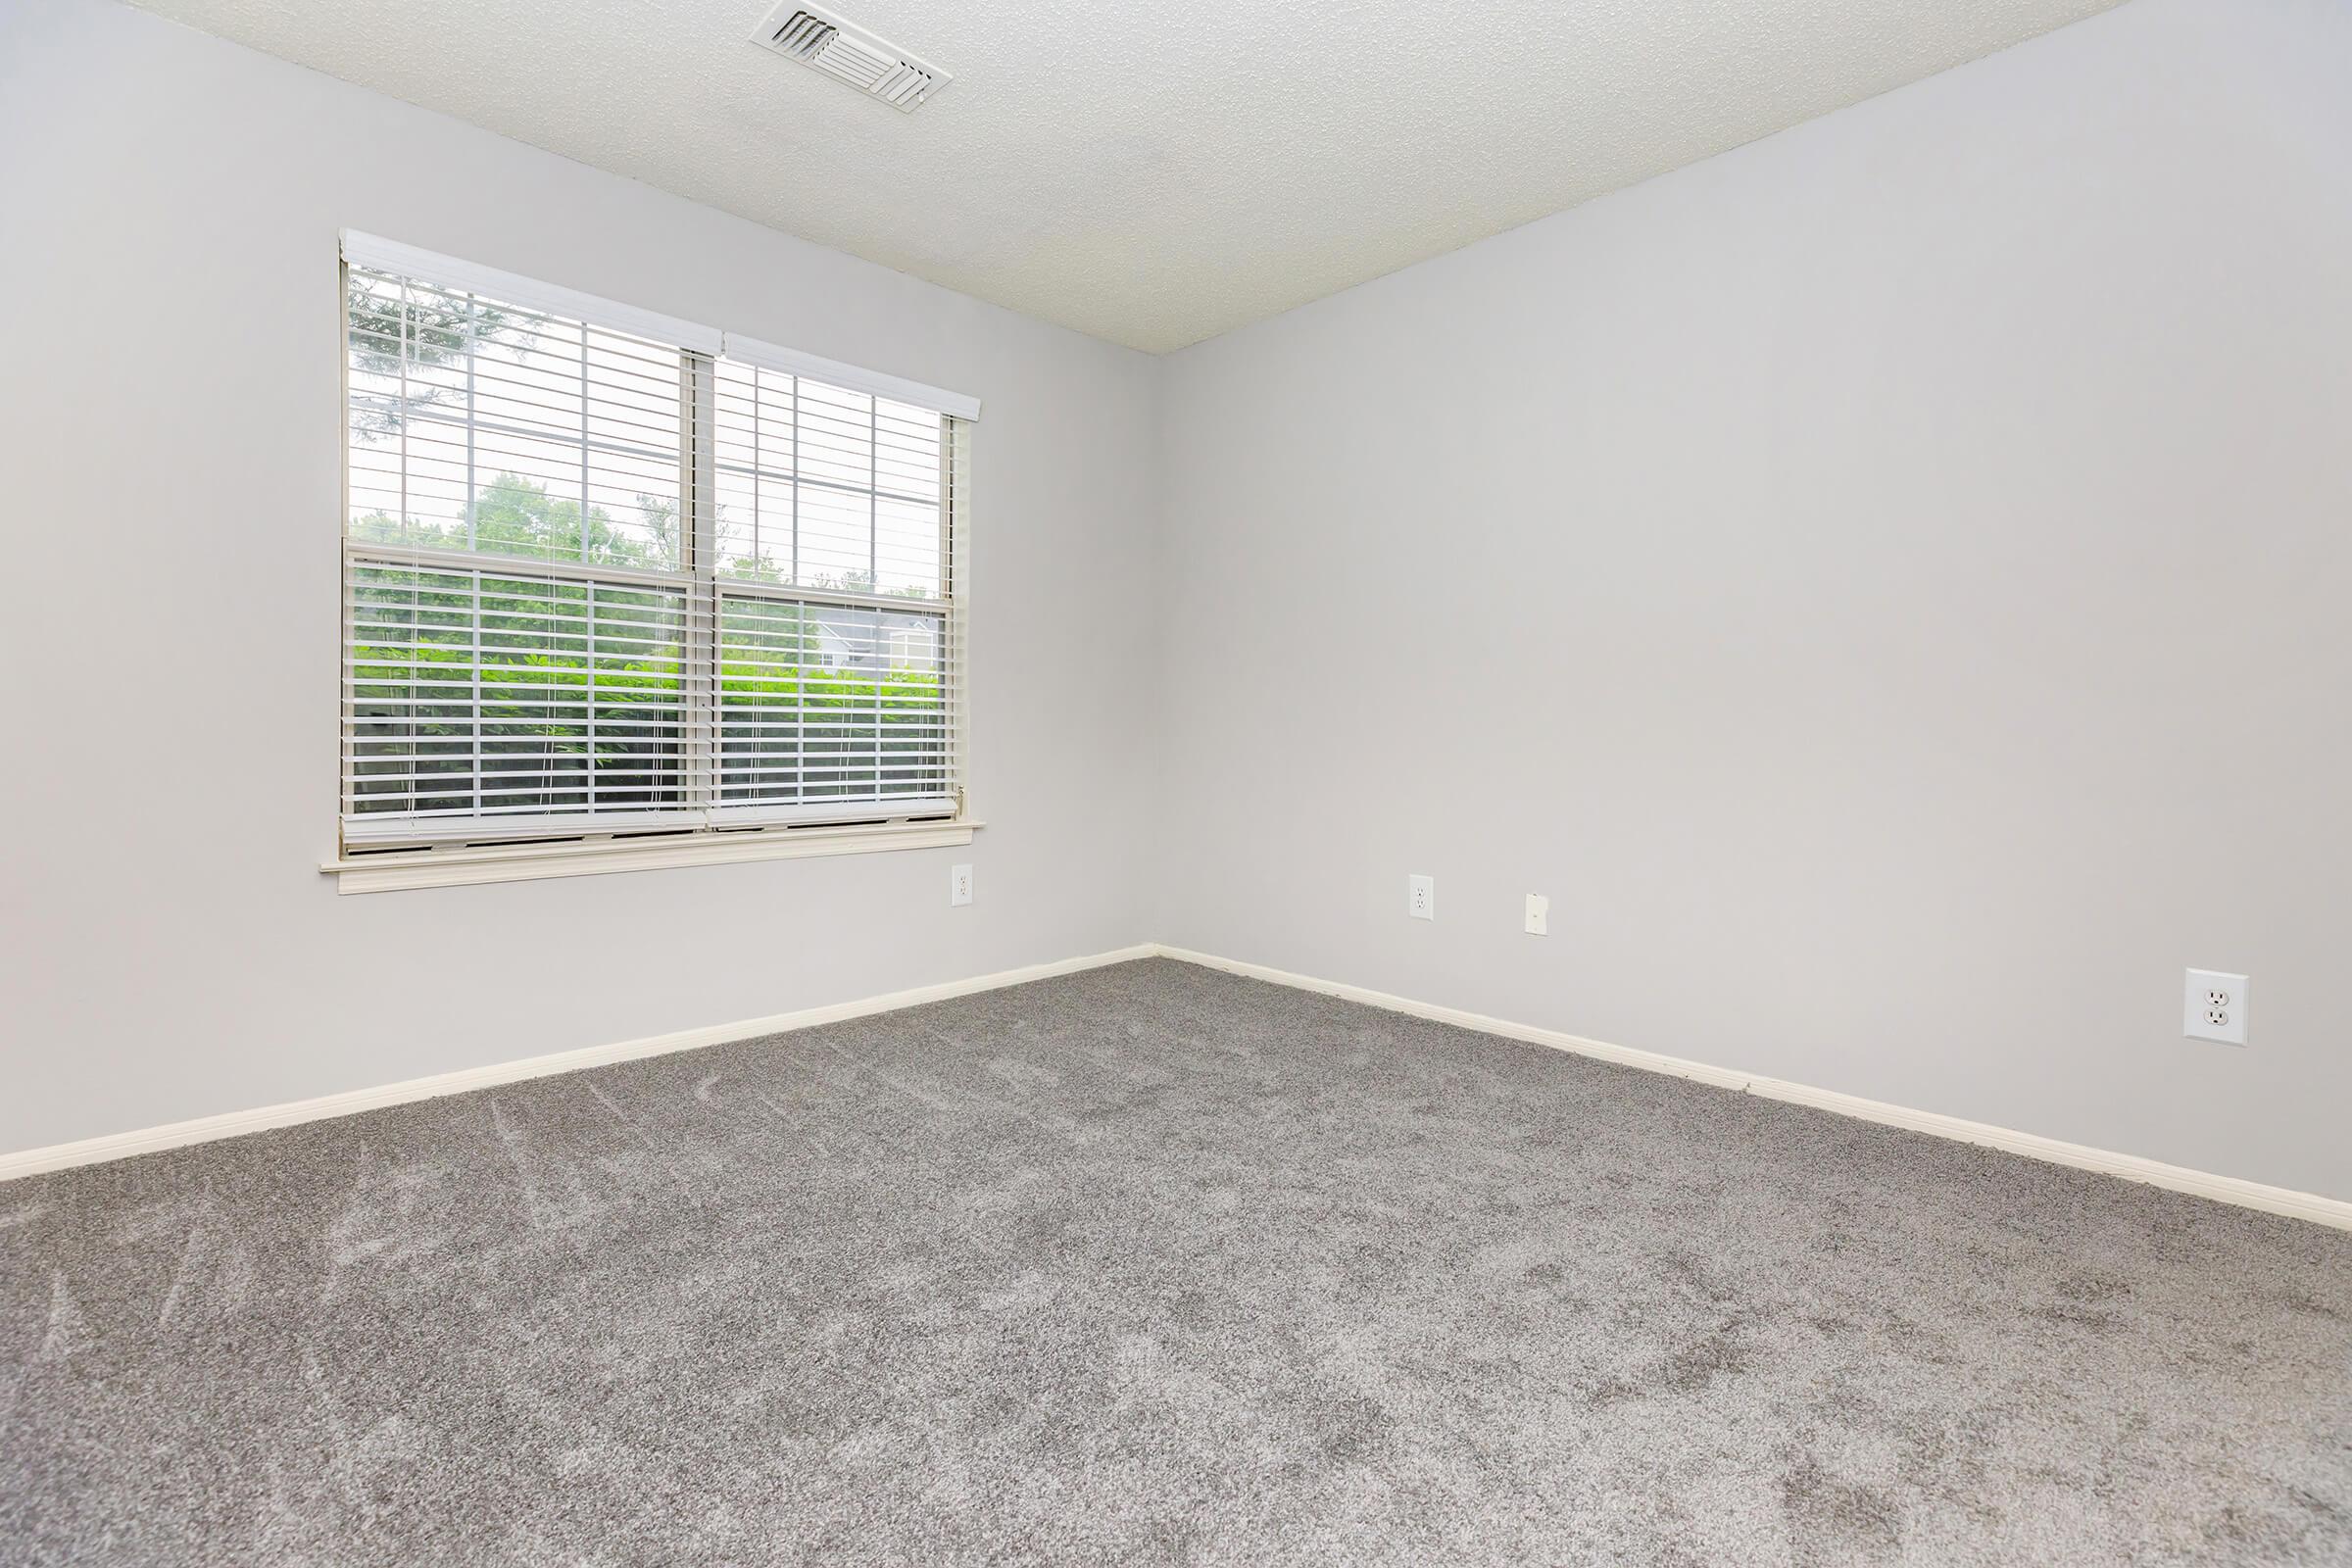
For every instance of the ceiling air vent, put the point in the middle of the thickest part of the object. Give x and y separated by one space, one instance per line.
824 42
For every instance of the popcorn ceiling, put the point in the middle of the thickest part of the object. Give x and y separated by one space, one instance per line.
1148 174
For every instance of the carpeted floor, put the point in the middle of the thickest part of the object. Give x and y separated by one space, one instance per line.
1153 1264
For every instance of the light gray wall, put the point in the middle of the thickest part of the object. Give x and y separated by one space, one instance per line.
1888 585
170 411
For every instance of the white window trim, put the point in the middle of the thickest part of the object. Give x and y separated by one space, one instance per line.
460 865
449 272
391 871
792 362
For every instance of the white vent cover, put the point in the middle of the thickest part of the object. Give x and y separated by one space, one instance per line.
823 41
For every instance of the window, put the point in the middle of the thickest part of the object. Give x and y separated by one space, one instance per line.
607 575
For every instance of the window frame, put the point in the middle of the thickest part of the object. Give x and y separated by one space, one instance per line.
705 828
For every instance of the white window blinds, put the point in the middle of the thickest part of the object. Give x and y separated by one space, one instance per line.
597 583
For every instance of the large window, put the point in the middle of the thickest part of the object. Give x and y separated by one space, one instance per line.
609 574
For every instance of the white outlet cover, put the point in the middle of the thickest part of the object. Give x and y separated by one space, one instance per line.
2213 1006
1421 897
1539 914
959 884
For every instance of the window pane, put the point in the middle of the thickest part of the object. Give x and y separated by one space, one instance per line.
482 428
473 693
818 703
821 488
754 446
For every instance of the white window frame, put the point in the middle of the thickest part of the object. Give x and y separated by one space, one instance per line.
558 848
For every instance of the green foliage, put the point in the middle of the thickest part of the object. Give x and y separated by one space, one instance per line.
561 694
516 516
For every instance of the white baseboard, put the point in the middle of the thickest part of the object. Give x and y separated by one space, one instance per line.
2312 1206
235 1123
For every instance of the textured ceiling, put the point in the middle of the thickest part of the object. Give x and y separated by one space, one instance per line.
1153 173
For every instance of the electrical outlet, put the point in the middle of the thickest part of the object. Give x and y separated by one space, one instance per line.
1421 897
2214 1006
959 884
1539 914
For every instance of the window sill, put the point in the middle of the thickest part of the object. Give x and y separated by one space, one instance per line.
391 871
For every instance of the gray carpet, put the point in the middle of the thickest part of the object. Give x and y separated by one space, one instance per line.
1152 1265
